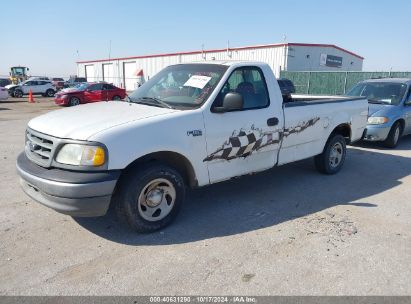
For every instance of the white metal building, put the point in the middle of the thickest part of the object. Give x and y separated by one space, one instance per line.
128 72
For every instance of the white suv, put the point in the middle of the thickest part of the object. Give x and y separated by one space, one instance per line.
43 87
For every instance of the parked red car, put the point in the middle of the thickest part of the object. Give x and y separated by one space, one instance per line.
89 92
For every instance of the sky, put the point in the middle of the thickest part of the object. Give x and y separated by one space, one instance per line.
50 36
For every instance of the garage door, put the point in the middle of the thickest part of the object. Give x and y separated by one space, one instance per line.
108 72
90 73
130 80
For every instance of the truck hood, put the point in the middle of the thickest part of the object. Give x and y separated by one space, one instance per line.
81 122
375 109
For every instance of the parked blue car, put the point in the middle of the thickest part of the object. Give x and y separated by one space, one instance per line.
389 114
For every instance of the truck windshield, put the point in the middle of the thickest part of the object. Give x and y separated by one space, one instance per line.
380 92
180 86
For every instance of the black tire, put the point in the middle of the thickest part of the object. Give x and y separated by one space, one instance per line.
132 198
394 136
50 93
116 97
74 101
333 157
18 93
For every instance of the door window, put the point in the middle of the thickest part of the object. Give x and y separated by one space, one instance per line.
108 87
250 83
96 87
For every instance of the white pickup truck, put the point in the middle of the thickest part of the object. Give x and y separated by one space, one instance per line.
190 125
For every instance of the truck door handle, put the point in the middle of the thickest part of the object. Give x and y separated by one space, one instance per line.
273 121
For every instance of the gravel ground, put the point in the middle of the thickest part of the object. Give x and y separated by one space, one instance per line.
288 231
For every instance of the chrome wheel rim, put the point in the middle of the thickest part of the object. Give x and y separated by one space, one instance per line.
156 200
50 94
396 135
336 155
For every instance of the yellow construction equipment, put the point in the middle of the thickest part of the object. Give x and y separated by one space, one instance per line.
18 74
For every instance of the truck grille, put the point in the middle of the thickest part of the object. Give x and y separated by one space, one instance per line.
40 147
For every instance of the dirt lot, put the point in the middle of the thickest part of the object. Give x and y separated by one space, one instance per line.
288 231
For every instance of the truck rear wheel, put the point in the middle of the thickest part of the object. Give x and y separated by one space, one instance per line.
150 197
333 156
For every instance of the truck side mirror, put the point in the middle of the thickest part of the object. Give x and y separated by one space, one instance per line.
231 102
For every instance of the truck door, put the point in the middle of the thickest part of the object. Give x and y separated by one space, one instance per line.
243 141
94 93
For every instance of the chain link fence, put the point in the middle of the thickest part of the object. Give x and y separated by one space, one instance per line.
333 83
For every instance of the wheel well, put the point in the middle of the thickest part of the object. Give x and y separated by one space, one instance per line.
173 159
402 123
344 130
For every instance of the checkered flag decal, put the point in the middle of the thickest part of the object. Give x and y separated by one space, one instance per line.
243 145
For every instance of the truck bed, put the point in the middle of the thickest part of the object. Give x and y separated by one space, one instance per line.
306 100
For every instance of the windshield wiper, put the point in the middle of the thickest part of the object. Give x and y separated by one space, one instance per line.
158 102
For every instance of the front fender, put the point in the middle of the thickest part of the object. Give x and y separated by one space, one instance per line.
131 141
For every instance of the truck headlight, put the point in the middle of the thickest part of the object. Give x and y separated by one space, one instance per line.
81 155
377 120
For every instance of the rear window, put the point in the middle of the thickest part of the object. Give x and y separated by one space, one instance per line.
108 87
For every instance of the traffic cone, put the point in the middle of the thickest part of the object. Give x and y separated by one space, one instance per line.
31 98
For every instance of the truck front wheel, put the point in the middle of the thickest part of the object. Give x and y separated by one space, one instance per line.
150 197
333 156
